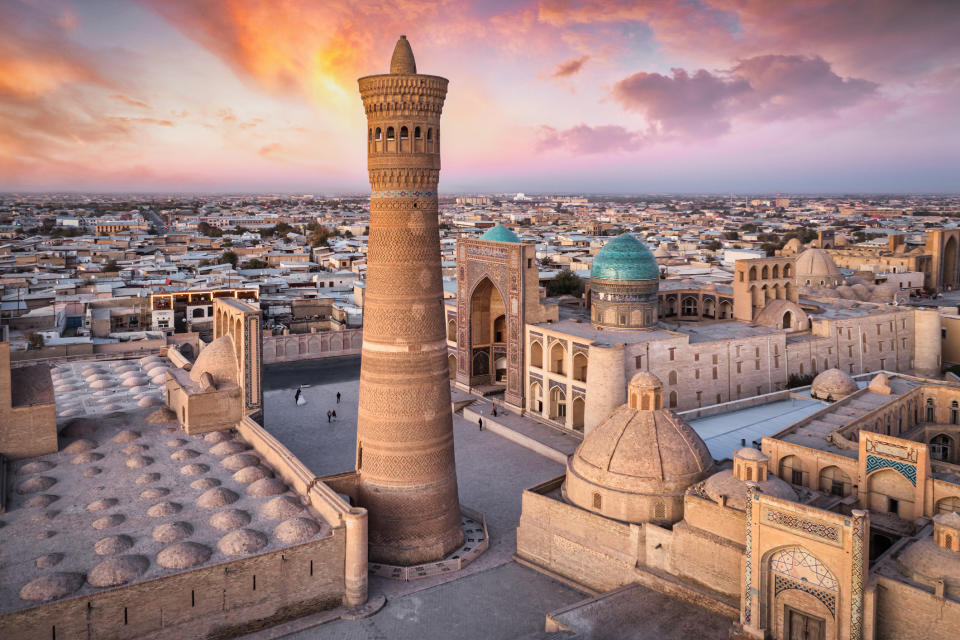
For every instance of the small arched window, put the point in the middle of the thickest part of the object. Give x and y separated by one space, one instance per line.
379 135
404 134
416 133
429 134
749 474
390 134
370 135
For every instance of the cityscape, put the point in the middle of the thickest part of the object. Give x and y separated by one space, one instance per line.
663 342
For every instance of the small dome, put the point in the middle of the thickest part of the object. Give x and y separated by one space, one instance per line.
725 483
645 380
624 258
117 570
183 555
217 497
296 530
926 562
217 359
281 507
749 453
793 247
403 60
241 542
500 233
172 531
230 519
112 545
832 385
51 587
634 462
816 265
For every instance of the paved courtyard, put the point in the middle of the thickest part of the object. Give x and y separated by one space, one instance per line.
493 597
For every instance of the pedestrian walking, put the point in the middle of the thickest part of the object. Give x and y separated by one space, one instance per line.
296 396
494 411
480 422
328 416
338 397
334 414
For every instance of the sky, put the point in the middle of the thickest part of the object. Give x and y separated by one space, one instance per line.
564 96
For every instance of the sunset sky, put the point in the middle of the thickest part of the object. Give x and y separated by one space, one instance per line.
552 96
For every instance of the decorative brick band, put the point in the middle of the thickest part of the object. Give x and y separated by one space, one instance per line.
909 471
812 527
783 583
402 193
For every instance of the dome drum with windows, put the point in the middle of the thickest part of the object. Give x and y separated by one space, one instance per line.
624 281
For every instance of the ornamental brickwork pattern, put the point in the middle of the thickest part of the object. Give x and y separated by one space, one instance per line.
405 458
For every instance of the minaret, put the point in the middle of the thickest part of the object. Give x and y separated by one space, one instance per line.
405 462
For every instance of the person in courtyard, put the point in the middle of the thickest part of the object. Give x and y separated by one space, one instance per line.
296 396
334 414
328 415
494 411
338 397
480 422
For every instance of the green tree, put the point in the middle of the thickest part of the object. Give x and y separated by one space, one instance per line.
229 257
255 263
564 283
110 266
546 262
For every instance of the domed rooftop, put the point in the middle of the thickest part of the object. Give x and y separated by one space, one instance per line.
750 465
403 60
632 458
832 385
500 233
624 258
217 359
816 264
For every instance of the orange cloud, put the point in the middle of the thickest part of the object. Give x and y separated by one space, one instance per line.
317 50
130 101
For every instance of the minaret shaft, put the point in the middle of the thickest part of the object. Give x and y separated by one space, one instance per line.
405 457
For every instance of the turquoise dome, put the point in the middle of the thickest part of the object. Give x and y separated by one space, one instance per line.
624 258
500 233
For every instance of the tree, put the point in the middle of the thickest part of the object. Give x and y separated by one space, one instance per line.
207 230
731 235
255 263
546 262
34 340
564 283
229 257
320 236
713 245
110 266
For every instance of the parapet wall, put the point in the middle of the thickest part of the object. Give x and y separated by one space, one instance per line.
219 601
306 346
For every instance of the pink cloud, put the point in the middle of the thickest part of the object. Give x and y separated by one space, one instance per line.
570 67
771 87
584 139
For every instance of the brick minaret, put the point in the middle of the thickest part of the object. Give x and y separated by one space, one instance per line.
405 463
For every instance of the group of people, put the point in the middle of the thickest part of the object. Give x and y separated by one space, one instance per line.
299 400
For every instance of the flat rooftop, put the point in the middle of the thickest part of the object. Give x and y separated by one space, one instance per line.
724 432
724 330
128 499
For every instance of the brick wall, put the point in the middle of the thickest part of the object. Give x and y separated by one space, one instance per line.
219 601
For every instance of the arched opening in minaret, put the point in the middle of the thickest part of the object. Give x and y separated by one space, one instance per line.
390 134
487 326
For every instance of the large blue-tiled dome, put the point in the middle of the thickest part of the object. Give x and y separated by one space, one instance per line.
624 258
500 233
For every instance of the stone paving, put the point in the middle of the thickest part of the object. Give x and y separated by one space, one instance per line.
493 597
